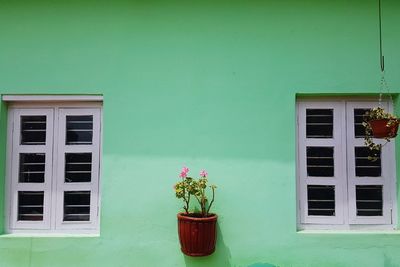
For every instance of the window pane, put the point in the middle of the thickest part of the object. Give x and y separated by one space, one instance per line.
319 123
359 129
77 206
79 130
321 200
369 200
30 205
365 166
78 167
33 130
31 168
320 161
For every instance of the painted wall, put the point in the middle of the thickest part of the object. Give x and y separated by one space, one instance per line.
207 84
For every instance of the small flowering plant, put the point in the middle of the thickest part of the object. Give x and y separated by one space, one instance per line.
376 114
190 187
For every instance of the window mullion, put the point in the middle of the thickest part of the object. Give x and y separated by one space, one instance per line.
341 149
345 145
54 169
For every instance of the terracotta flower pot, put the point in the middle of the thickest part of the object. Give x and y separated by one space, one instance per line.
380 130
197 235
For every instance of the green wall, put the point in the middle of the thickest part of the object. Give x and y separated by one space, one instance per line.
207 84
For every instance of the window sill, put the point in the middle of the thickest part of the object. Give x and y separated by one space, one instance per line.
46 235
349 232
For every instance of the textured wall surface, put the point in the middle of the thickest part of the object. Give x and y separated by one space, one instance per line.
207 84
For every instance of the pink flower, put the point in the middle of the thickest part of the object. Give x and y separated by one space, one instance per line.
203 173
184 172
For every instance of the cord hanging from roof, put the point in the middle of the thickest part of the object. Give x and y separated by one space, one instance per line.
382 58
383 86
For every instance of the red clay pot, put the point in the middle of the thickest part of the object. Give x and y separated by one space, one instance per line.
379 129
197 235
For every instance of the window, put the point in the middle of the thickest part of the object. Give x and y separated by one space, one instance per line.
53 167
339 187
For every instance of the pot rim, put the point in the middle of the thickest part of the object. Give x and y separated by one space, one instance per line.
181 216
397 120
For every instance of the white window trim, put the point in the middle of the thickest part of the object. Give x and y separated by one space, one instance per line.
343 219
84 228
53 98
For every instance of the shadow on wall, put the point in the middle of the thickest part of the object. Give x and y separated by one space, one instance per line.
388 262
220 258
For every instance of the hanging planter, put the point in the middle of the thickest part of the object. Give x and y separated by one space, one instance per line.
384 128
379 124
197 230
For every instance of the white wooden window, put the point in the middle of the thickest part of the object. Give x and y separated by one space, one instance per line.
53 167
338 186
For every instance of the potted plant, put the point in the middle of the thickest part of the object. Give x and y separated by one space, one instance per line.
379 124
197 230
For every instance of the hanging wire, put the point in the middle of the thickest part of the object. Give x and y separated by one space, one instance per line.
383 86
382 58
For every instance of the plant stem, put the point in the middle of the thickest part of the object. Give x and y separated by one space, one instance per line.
187 204
212 200
203 203
198 200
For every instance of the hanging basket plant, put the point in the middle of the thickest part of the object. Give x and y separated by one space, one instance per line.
379 124
196 229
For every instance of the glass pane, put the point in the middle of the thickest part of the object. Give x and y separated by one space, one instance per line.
78 167
359 129
369 200
33 130
79 130
321 200
30 205
31 167
77 206
319 123
365 165
320 161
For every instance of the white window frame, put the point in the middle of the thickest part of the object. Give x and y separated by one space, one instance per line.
47 149
55 148
343 142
